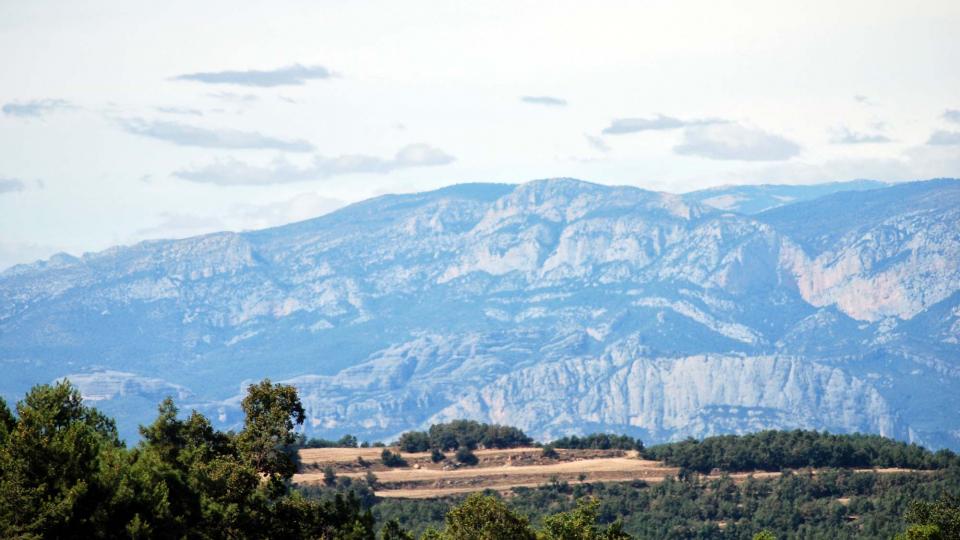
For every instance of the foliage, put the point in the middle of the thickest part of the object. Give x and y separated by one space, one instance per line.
414 441
391 459
64 474
466 433
329 476
598 441
485 518
437 456
580 524
267 437
933 520
776 450
466 456
831 504
549 452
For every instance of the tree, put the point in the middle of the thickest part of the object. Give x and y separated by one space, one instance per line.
414 441
579 524
393 531
329 476
481 517
933 521
347 441
465 456
7 421
267 438
51 481
391 459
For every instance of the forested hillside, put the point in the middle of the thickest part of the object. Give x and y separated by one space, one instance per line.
64 473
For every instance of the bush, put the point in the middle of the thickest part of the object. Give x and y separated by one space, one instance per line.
549 452
437 456
329 476
391 459
466 456
414 441
347 441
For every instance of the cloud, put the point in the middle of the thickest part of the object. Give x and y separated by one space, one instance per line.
11 185
942 138
187 135
180 110
952 115
843 135
234 97
621 126
597 142
544 100
232 172
295 75
735 142
37 107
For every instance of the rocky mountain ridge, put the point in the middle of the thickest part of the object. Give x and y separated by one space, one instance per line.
556 305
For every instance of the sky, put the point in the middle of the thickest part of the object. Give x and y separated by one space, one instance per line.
130 120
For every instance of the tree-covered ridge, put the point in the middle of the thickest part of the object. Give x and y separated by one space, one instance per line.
776 450
836 504
463 434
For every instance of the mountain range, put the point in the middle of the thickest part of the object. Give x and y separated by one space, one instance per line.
558 306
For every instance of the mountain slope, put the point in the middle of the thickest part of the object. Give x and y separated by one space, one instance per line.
474 299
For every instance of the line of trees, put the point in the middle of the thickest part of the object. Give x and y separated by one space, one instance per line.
463 434
598 441
776 450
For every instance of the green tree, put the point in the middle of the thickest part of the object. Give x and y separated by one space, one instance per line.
579 524
482 517
393 531
933 520
267 437
51 483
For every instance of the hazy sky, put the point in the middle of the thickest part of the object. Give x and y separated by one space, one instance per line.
130 120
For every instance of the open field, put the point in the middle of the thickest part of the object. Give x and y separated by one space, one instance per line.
499 470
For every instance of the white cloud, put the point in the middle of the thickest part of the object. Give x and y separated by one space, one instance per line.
232 172
11 185
944 138
622 126
188 135
735 142
844 135
294 75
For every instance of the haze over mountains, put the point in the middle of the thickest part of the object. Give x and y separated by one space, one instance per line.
558 306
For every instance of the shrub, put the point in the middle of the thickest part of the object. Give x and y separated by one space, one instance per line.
391 459
414 441
437 456
466 456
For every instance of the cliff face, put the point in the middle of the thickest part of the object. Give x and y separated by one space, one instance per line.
556 305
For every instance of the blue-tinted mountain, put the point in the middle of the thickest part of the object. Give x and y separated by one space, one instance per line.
557 305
